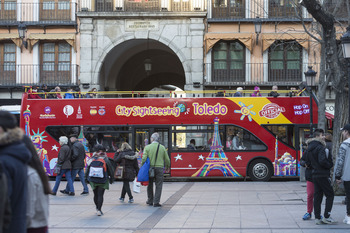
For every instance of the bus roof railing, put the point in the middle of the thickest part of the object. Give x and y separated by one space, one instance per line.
173 94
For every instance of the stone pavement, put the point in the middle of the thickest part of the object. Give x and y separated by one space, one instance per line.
195 207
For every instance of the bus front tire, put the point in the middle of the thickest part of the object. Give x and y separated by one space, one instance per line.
260 170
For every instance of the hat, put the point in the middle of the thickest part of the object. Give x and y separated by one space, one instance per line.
99 147
7 120
346 127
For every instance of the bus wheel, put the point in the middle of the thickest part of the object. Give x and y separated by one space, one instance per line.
260 170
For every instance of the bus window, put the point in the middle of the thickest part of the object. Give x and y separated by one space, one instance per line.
201 134
284 133
238 138
110 137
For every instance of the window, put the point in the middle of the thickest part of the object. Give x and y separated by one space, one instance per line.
284 133
238 139
282 8
8 63
55 10
285 61
104 5
56 62
228 8
8 9
110 137
201 134
228 62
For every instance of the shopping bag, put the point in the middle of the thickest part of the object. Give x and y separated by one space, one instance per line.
136 186
143 172
119 172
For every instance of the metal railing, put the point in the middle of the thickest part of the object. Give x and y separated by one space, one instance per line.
19 75
47 12
257 73
143 6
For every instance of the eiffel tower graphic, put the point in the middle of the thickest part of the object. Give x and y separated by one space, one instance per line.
216 159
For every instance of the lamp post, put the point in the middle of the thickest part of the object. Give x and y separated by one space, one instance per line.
22 33
345 42
257 24
310 75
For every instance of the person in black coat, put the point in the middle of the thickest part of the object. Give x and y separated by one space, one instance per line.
14 157
128 159
321 161
78 163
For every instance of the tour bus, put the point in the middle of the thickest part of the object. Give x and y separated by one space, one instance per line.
256 137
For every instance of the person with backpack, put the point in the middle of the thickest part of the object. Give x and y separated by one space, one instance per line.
128 159
305 162
99 173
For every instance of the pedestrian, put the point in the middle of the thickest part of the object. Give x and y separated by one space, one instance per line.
92 93
38 190
305 162
342 168
78 156
128 159
274 92
69 94
63 161
14 157
239 92
97 183
158 157
321 162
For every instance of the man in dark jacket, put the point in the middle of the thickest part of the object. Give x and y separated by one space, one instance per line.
63 161
78 163
14 157
321 162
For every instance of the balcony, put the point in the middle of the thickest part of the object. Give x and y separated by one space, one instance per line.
51 75
257 74
47 13
143 6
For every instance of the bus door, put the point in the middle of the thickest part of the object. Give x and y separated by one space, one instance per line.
143 137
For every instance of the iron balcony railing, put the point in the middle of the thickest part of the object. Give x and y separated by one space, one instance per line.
51 74
290 73
143 5
61 12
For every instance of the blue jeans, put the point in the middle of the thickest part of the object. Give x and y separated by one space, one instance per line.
67 172
81 174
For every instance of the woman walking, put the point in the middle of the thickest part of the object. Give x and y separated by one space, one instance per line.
100 174
128 159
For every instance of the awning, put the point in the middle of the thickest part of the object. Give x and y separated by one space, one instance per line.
33 38
210 39
329 118
269 38
11 36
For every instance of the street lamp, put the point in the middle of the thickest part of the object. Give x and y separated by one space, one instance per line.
345 42
310 75
257 24
22 33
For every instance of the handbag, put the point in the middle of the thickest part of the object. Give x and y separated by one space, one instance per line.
151 169
136 186
144 172
119 172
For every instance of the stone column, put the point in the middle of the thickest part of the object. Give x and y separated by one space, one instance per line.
86 29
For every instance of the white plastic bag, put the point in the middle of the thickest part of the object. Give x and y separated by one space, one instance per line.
136 186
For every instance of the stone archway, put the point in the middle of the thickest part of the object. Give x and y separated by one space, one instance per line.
123 66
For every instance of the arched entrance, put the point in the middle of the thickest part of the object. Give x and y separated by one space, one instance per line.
123 68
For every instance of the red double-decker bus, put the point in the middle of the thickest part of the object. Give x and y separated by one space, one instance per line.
257 137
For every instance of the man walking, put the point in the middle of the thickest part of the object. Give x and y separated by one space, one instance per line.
157 155
321 162
78 163
342 168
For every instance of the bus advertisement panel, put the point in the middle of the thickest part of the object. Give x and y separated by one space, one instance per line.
220 137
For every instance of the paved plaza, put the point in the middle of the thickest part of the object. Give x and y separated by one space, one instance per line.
195 207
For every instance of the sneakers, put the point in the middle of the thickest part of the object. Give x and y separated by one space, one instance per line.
346 220
121 199
149 203
84 193
157 205
131 200
319 221
306 216
99 213
328 220
64 191
71 194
